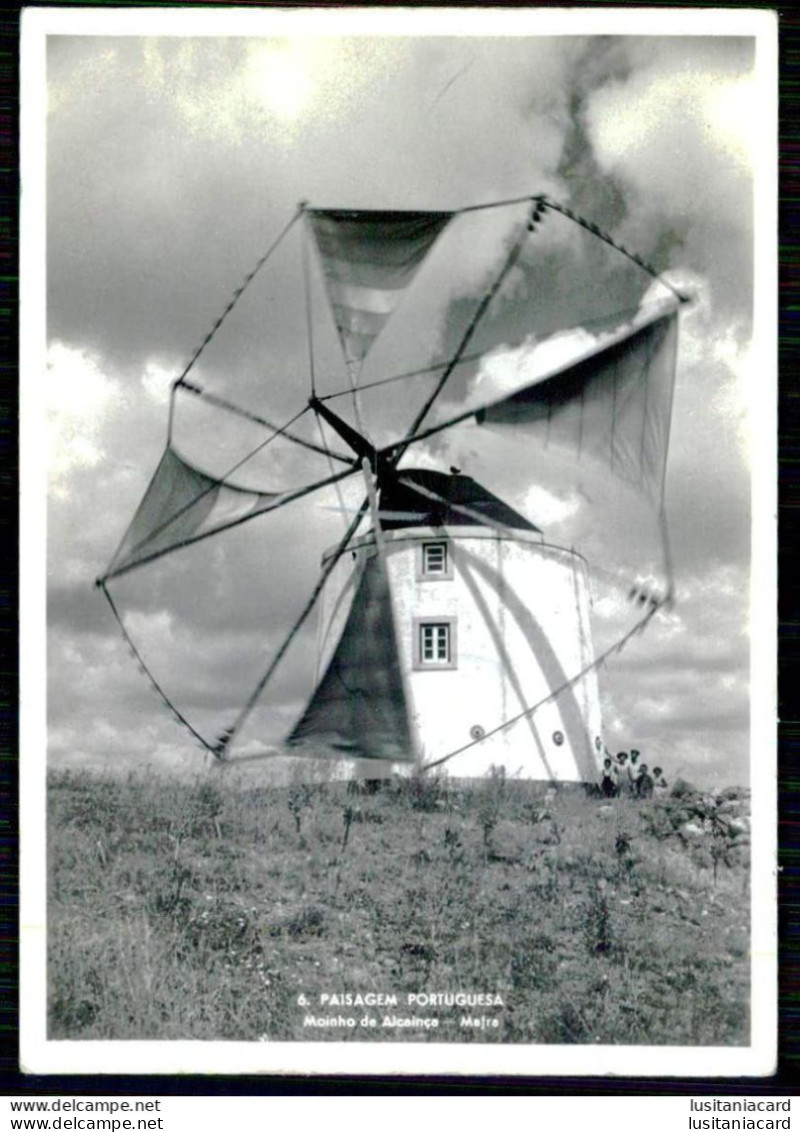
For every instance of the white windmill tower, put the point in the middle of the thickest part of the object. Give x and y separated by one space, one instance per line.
456 616
452 630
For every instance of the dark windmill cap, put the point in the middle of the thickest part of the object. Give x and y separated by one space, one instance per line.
402 506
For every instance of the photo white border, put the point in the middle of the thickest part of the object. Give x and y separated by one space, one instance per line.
40 1055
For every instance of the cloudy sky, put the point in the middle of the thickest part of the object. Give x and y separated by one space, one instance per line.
174 161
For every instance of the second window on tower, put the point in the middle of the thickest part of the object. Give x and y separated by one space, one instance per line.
435 643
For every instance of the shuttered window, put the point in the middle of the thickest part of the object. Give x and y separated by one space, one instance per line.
434 558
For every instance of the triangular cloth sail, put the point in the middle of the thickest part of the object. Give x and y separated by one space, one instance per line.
180 505
359 705
369 259
613 404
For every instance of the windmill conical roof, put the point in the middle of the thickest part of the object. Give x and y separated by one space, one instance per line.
402 506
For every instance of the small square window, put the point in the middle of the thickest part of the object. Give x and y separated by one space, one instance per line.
434 558
434 562
435 644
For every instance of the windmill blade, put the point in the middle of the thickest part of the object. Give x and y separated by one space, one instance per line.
368 259
359 705
612 404
182 506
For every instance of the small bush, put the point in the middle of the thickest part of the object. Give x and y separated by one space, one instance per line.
597 924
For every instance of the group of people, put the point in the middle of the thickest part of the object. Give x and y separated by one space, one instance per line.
627 775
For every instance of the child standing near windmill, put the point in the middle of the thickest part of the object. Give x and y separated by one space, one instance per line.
660 784
622 770
644 783
634 771
610 782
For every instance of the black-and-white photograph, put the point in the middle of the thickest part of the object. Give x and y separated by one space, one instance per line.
402 391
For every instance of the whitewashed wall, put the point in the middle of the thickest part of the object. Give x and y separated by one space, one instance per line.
522 629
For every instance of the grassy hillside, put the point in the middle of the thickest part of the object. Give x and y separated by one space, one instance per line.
213 911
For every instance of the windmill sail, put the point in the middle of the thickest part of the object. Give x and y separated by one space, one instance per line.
612 405
368 260
359 705
181 505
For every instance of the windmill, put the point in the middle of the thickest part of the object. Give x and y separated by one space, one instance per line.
453 630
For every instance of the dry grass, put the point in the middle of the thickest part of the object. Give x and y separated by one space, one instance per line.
203 911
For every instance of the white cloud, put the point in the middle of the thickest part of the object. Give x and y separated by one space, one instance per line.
157 381
732 113
506 369
679 134
681 690
548 508
79 398
273 89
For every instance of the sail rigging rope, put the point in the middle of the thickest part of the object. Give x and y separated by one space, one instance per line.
237 294
155 684
528 711
229 406
540 198
607 239
307 297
